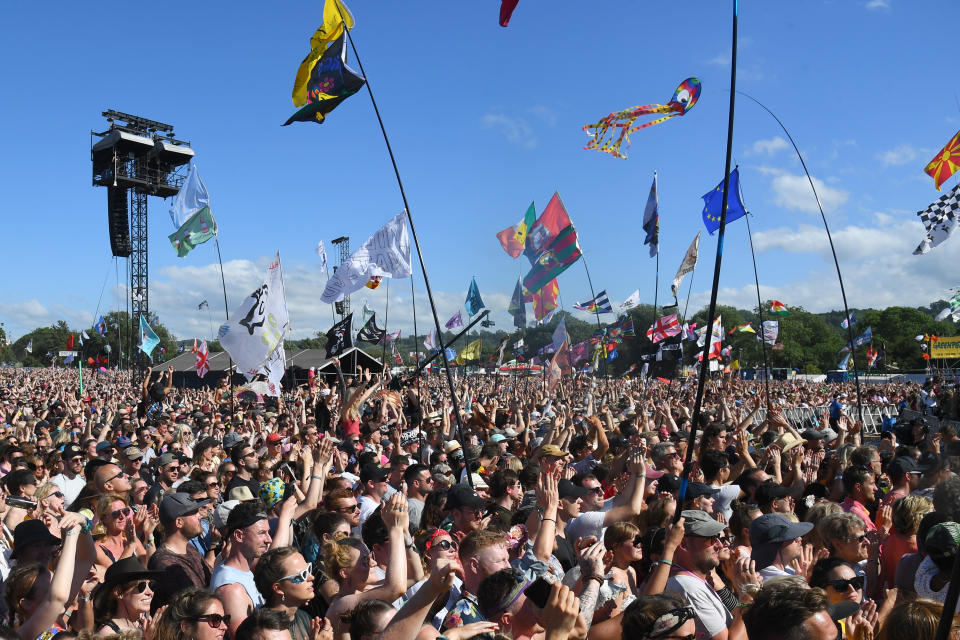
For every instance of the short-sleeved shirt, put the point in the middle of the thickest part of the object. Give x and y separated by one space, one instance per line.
711 616
589 523
465 611
179 572
728 493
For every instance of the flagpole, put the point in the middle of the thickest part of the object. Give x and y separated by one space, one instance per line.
226 313
583 258
656 277
705 363
386 329
416 360
416 241
833 250
763 338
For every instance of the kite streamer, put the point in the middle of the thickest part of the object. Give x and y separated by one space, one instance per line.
605 136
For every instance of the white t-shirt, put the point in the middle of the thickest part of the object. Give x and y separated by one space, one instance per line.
367 507
711 616
728 493
585 525
70 488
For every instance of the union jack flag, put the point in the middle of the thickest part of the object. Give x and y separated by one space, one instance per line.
664 328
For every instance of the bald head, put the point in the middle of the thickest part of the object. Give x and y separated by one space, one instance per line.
111 479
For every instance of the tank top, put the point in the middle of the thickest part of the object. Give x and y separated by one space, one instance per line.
224 575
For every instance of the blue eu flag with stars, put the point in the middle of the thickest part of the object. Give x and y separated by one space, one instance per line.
713 200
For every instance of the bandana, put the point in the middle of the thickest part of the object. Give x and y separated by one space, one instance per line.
436 533
521 585
670 621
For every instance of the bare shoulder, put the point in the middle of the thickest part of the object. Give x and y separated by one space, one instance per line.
233 590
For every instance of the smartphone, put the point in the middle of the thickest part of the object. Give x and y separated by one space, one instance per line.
23 503
538 592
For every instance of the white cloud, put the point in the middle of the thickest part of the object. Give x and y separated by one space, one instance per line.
544 113
874 5
793 192
515 129
769 147
902 154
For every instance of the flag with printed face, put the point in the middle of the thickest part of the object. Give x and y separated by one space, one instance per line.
688 264
513 239
386 253
101 327
546 228
771 329
456 320
651 219
148 339
203 365
340 337
259 324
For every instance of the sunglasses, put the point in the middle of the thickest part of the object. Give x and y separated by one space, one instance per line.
301 576
446 545
842 585
119 475
125 512
597 490
142 585
638 541
213 484
215 620
348 508
57 494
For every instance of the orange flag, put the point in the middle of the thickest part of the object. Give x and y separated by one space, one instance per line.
946 162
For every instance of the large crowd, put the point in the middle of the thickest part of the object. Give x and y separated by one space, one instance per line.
359 507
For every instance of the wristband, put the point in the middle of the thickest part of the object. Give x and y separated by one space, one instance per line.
553 520
598 578
669 563
316 477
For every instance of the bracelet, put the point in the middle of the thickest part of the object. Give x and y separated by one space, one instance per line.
553 520
316 477
598 578
669 563
69 532
84 599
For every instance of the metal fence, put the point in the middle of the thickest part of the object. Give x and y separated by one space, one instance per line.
873 415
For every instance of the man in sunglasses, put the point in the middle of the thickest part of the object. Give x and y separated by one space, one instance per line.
71 481
112 479
181 563
168 472
776 542
244 457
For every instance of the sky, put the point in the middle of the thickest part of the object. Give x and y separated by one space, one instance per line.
483 120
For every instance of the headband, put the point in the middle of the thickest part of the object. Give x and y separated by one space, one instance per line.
670 621
512 595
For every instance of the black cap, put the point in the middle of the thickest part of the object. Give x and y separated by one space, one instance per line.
72 450
167 458
177 505
570 491
769 532
697 489
668 482
770 491
461 495
31 532
813 434
374 472
903 465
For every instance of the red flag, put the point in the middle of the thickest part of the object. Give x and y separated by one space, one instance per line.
70 343
548 226
203 366
946 162
663 328
545 300
506 11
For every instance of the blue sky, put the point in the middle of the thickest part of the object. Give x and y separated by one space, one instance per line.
482 120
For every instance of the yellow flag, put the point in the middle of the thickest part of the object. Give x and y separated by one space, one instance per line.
470 352
330 30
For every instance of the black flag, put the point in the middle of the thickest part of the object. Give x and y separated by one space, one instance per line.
340 337
370 332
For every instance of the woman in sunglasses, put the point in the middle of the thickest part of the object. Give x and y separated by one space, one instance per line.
122 602
51 502
624 546
193 614
839 579
119 539
285 580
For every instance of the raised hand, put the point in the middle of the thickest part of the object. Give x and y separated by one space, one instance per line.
321 629
394 512
560 614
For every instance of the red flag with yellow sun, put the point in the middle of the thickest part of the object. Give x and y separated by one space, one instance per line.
946 162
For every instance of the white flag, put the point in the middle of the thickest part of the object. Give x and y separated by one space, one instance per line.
323 255
30 346
429 341
259 324
273 369
632 301
560 334
771 328
191 198
689 264
386 254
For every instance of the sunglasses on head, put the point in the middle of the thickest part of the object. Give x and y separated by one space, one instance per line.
142 585
215 620
842 585
301 576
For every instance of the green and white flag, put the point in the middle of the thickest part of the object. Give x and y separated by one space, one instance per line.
198 228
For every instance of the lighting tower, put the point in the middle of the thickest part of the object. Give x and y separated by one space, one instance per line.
343 245
135 158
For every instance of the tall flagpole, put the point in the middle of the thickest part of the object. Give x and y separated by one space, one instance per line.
386 330
656 277
763 338
416 242
226 313
704 367
843 293
686 306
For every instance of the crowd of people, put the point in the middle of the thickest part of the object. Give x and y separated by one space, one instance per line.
360 507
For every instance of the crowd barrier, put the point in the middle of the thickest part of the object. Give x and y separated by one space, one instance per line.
873 415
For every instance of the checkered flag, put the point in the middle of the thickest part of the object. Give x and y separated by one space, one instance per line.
939 219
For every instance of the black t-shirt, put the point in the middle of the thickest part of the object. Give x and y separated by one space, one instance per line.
237 481
501 517
565 553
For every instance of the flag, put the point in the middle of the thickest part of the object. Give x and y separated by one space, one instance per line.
663 328
202 365
386 253
80 337
391 337
518 308
630 369
688 264
455 321
741 328
450 354
863 338
430 341
70 343
946 162
847 322
688 331
651 219
473 303
632 301
716 334
558 256
322 252
777 308
544 301
500 348
560 335
519 344
336 18
340 337
273 369
197 229
259 324
599 304
191 198
612 353
29 347
843 363
203 305
626 327
712 202
329 82
506 11
546 228
579 352
194 350
370 332
148 339
771 328
513 239
871 356
939 219
373 282
470 352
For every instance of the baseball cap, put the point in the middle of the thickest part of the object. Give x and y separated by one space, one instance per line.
221 513
104 446
374 472
768 532
553 451
903 465
231 440
123 442
770 491
812 434
497 437
167 458
461 495
697 522
71 451
669 482
941 544
570 491
177 505
697 489
273 438
133 453
654 474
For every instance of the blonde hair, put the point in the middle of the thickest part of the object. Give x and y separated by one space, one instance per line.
618 533
336 556
45 491
908 512
814 515
916 620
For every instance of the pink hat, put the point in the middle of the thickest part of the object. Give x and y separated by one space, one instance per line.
653 474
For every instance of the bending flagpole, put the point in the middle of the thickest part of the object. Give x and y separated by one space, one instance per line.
843 293
686 306
711 314
763 338
416 242
226 312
